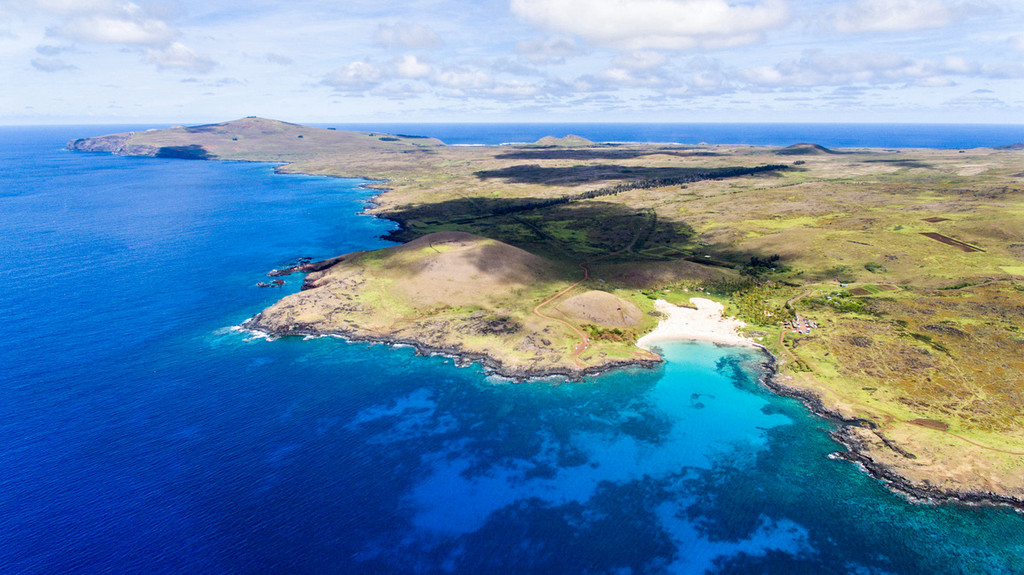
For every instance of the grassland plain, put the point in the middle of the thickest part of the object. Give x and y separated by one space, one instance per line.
918 342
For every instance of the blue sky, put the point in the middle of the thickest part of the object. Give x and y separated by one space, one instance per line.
94 61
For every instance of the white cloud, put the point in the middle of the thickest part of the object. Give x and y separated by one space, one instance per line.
897 15
545 50
410 74
464 79
410 66
358 76
710 82
935 82
513 90
179 56
470 82
51 65
815 68
439 59
513 66
47 50
641 60
974 100
61 7
960 65
407 35
141 28
657 24
104 29
614 78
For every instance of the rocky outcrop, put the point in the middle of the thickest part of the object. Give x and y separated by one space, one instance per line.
120 144
862 440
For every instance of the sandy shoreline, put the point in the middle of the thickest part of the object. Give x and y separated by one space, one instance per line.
706 323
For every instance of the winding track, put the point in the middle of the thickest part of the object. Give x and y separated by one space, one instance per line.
584 342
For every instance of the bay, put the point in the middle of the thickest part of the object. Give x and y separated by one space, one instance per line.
139 433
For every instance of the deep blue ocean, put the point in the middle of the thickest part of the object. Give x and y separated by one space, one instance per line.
140 433
948 136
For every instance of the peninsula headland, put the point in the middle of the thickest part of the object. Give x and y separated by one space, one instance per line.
888 284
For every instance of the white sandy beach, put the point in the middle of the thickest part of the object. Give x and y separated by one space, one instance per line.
706 323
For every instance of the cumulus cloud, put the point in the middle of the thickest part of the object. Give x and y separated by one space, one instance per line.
513 66
407 35
641 60
63 7
410 66
410 74
548 50
814 68
614 78
358 76
974 100
514 90
51 65
712 82
178 55
707 77
143 28
464 79
862 16
657 24
130 26
48 50
700 76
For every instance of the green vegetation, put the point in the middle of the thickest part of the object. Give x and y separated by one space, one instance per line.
760 304
909 262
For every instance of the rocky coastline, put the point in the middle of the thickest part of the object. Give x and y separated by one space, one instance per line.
859 452
848 432
461 357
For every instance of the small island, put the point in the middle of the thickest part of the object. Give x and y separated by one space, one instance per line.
888 285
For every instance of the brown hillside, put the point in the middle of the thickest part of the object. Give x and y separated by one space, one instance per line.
601 308
450 268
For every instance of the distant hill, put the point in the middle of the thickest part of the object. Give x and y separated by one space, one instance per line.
804 149
568 141
1017 146
250 138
